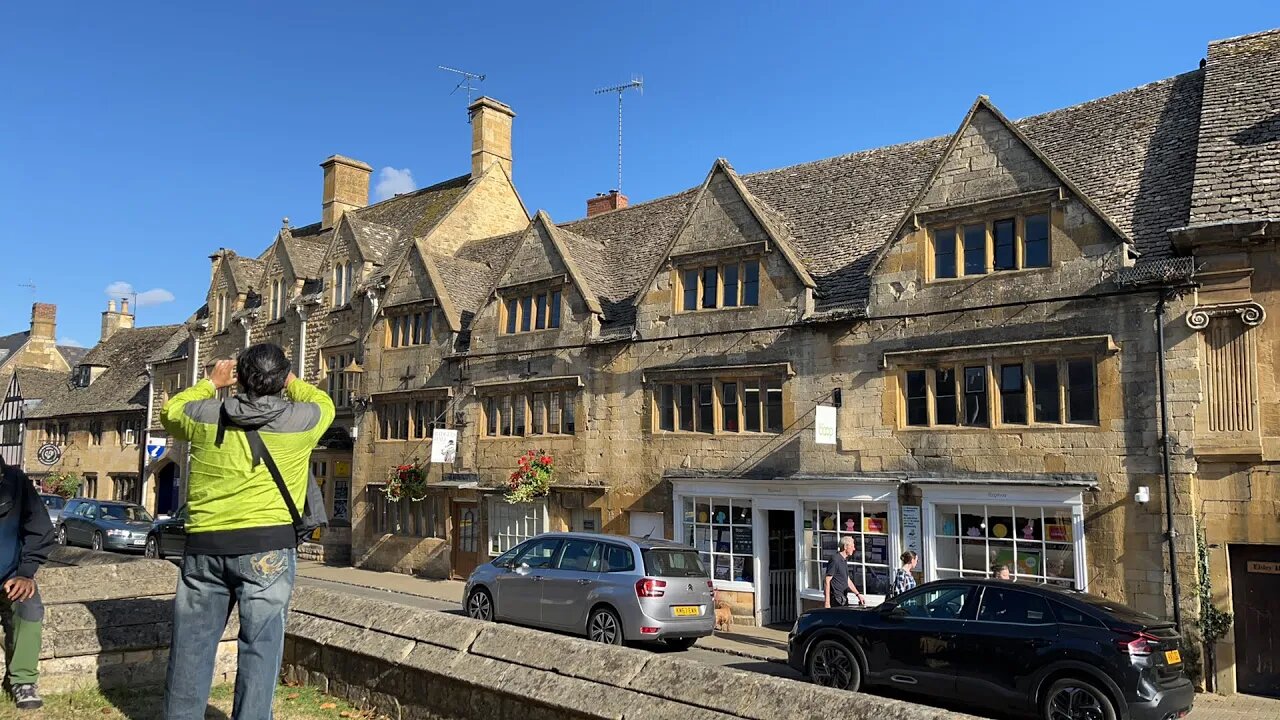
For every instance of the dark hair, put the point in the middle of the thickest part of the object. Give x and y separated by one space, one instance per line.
998 569
908 556
262 369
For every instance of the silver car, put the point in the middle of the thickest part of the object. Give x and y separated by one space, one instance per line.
608 587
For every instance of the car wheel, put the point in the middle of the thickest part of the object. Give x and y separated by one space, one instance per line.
153 549
1072 699
97 541
62 535
680 643
604 627
832 664
480 605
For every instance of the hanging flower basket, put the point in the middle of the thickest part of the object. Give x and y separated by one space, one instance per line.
531 479
407 481
63 484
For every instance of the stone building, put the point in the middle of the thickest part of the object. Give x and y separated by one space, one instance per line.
973 318
93 422
32 364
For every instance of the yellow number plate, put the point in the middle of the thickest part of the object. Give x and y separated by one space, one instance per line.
1173 657
684 610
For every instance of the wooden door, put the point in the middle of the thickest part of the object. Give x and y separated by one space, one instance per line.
468 547
1255 597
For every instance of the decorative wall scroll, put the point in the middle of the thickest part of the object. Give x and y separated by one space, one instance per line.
1250 313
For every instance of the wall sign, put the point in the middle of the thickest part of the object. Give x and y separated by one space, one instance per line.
824 425
1266 568
156 448
911 532
49 454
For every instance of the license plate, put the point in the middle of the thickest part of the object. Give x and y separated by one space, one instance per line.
685 610
1173 657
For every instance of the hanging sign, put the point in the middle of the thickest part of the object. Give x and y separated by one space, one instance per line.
824 425
49 454
444 446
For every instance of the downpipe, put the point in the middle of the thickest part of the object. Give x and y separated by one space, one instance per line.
1171 534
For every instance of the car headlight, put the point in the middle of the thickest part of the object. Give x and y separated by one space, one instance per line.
119 533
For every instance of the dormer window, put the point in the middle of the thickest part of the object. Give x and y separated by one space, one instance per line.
277 298
343 281
1019 242
82 377
729 285
538 311
405 329
223 311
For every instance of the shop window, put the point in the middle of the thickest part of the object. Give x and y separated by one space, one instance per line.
718 405
1036 544
512 523
720 529
531 414
867 523
995 245
1036 391
538 311
409 518
720 286
408 329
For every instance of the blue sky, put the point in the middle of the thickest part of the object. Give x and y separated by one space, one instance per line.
137 138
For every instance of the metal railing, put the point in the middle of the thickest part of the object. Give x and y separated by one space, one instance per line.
782 597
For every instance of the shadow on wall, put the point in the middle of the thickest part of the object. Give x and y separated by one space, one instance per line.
426 557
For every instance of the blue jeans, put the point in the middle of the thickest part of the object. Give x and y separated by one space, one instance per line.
210 586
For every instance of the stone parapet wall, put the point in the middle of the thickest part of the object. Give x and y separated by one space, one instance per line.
408 663
108 621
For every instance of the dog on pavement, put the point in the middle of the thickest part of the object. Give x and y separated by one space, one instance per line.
724 615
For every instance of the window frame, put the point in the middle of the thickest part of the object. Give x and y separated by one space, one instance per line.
396 417
761 388
409 328
335 362
949 240
519 529
556 414
746 285
995 394
532 311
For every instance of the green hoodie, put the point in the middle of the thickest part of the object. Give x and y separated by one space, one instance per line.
234 507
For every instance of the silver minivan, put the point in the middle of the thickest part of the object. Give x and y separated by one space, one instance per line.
612 589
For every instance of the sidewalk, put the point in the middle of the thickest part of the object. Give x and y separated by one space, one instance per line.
758 643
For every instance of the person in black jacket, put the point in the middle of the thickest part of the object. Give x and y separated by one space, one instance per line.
26 537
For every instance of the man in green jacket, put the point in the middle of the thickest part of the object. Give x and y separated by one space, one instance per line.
241 544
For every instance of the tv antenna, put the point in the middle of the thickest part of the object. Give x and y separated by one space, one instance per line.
29 285
636 83
467 81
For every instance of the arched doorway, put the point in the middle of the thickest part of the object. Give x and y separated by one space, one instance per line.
167 490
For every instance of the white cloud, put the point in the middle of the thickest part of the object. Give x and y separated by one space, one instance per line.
155 296
392 182
64 340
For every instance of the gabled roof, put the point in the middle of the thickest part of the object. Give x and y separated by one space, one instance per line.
774 226
304 248
245 272
561 242
413 214
375 241
1237 174
983 104
122 385
35 384
72 354
12 343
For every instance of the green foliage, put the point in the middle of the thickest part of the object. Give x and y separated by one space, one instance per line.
531 478
62 484
1213 622
407 480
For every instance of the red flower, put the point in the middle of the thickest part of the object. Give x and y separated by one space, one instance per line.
545 459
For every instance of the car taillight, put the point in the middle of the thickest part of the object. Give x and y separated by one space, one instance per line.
650 588
1138 644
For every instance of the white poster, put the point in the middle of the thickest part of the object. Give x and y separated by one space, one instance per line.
444 446
647 524
911 532
824 425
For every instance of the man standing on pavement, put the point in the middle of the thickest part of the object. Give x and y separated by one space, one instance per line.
838 582
26 537
241 541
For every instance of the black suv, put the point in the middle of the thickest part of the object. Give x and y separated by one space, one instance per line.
168 536
1035 649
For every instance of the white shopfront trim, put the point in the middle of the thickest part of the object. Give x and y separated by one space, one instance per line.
1068 497
788 494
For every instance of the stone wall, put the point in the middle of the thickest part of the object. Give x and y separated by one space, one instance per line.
409 663
108 620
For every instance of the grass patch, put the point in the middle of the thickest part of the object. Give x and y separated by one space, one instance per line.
292 703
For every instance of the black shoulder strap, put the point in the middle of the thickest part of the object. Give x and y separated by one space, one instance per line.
260 451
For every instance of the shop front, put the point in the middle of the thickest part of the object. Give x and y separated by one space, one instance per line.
765 541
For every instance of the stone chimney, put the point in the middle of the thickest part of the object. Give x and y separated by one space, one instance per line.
490 135
44 322
346 187
605 202
113 321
